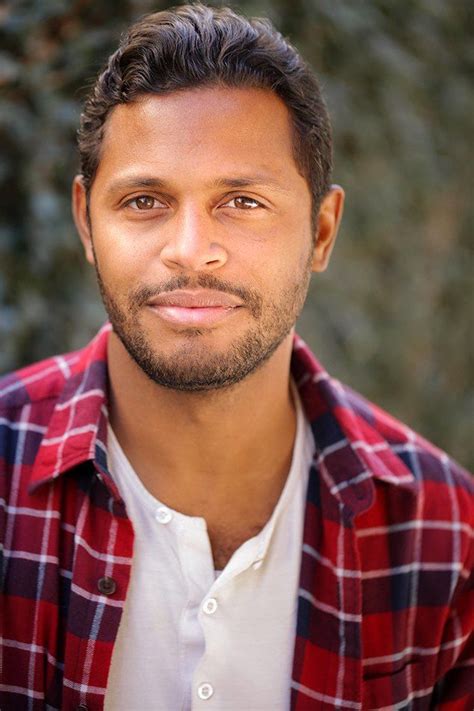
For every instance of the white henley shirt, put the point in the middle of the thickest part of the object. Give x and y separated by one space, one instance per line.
191 638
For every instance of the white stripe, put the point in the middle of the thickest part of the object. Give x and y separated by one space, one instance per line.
96 598
109 572
455 516
411 568
422 651
328 563
101 445
384 572
418 523
413 610
96 392
25 511
106 557
379 447
21 690
32 648
346 616
69 431
328 480
83 688
331 448
349 482
26 646
63 365
37 557
28 426
341 667
408 447
402 704
39 588
30 379
48 441
337 703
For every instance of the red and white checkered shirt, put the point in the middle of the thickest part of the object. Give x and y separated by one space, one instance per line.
386 602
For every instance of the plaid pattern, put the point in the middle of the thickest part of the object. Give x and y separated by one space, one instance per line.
385 609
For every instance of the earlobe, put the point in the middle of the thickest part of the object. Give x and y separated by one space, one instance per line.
81 218
329 219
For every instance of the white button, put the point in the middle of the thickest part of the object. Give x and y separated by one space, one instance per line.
205 691
210 606
163 515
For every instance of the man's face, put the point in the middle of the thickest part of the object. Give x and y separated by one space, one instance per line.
200 231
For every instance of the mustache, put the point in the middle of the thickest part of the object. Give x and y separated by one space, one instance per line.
140 296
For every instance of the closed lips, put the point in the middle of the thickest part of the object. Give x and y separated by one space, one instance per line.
196 300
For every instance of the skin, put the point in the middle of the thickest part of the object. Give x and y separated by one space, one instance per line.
196 227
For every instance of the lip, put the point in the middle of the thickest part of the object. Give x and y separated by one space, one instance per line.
203 298
195 308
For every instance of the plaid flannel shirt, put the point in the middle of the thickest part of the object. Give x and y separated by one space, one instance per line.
385 607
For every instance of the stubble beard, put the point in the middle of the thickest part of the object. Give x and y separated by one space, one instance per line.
193 367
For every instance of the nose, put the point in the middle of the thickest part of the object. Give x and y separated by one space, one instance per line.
192 242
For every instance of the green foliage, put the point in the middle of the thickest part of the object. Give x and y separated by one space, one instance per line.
392 315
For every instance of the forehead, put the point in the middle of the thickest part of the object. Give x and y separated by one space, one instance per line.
201 130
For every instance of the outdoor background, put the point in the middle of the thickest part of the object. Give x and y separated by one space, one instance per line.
392 316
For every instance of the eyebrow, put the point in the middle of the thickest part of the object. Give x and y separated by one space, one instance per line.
139 181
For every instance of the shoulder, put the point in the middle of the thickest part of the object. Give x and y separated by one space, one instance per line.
354 433
28 397
427 462
35 383
439 500
44 382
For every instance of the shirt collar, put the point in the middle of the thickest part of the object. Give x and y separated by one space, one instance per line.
350 449
78 426
354 439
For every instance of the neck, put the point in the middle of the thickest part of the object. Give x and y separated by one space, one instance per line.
227 442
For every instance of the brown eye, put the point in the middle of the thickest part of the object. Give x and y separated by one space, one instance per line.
244 203
144 202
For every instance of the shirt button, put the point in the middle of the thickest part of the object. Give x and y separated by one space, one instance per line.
82 707
210 606
106 586
205 691
163 515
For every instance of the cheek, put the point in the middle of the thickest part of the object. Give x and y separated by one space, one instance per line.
118 260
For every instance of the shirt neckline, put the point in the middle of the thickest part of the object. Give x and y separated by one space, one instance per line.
255 548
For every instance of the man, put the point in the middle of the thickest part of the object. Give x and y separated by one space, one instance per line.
196 515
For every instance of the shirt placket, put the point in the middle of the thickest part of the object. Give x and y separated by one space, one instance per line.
100 579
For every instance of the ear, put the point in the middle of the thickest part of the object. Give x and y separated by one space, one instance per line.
329 218
81 218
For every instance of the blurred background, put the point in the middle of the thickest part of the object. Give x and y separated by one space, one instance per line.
392 316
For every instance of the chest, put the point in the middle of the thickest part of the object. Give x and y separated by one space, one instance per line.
225 540
212 629
89 538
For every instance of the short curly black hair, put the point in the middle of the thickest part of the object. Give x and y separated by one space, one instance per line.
195 45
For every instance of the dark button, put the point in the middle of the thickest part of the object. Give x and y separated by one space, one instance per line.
107 586
82 707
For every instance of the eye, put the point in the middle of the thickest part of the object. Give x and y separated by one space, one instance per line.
144 202
243 202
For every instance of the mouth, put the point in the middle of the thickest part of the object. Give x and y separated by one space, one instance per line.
195 308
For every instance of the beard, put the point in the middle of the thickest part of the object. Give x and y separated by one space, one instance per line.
194 366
